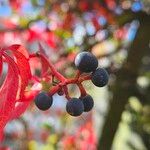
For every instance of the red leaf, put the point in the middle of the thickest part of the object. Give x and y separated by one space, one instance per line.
1 65
22 105
20 108
24 69
22 56
19 48
8 92
19 66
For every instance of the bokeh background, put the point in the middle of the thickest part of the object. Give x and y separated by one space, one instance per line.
118 33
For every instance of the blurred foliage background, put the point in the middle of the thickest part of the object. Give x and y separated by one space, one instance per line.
118 33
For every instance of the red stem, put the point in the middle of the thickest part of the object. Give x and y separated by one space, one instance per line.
70 81
83 78
63 81
65 88
82 90
53 70
54 90
78 74
35 78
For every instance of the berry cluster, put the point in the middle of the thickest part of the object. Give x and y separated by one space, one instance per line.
87 65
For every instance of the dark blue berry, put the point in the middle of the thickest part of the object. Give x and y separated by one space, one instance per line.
43 101
86 62
100 77
87 102
75 107
60 92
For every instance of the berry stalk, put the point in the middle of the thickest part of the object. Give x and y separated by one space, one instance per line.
86 63
53 70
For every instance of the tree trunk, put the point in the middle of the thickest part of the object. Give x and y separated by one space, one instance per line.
125 81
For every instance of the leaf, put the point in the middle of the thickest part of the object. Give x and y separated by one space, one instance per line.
1 65
8 92
17 67
24 69
20 108
19 48
21 56
22 105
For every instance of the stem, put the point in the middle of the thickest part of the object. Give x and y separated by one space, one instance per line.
35 78
78 74
83 78
82 90
77 80
70 81
65 88
53 70
54 90
45 74
63 81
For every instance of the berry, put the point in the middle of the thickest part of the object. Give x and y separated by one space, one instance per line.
100 77
43 101
87 102
86 62
75 107
60 92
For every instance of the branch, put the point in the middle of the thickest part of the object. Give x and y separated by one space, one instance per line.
128 15
125 81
